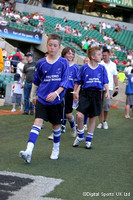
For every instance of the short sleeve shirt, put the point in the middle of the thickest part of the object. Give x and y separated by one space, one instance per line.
29 70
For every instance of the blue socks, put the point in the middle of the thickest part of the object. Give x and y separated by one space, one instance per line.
89 137
32 138
57 135
80 133
72 123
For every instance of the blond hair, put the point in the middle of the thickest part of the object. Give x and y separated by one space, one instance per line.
92 50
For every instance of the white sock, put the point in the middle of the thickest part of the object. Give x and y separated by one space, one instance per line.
30 147
56 145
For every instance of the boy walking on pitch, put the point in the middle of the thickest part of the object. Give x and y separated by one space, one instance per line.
50 82
93 78
69 54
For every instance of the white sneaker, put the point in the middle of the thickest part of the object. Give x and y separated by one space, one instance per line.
77 141
85 127
105 125
74 131
26 156
51 137
100 125
54 154
13 110
88 145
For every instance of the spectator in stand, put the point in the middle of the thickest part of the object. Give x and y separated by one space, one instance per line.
123 62
104 46
57 27
116 61
115 41
79 33
100 27
103 26
108 26
65 19
35 16
105 37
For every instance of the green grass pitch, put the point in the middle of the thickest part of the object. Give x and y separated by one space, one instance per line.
106 168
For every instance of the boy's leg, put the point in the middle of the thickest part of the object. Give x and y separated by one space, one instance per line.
85 122
26 155
89 135
63 126
80 131
70 118
56 141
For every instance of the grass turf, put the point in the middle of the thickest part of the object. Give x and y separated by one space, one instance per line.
106 168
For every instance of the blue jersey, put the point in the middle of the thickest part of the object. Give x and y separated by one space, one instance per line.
93 78
73 71
49 77
129 86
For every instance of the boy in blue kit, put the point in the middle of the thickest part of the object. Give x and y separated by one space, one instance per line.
50 82
69 54
93 78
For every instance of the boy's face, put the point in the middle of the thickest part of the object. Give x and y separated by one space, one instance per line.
70 56
97 56
53 47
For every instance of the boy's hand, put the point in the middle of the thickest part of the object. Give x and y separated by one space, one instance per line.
34 101
51 97
75 96
107 95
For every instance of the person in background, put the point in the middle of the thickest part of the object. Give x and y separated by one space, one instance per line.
113 80
129 94
17 93
28 74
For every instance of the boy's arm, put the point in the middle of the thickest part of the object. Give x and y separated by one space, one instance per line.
76 92
52 96
33 93
107 95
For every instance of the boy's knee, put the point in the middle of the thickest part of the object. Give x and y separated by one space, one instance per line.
38 122
80 116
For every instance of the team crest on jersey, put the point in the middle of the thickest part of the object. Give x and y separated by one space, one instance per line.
58 71
99 75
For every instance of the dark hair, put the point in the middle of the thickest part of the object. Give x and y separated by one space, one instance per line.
54 36
106 50
132 71
66 50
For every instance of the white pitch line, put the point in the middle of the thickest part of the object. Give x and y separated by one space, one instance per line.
41 186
